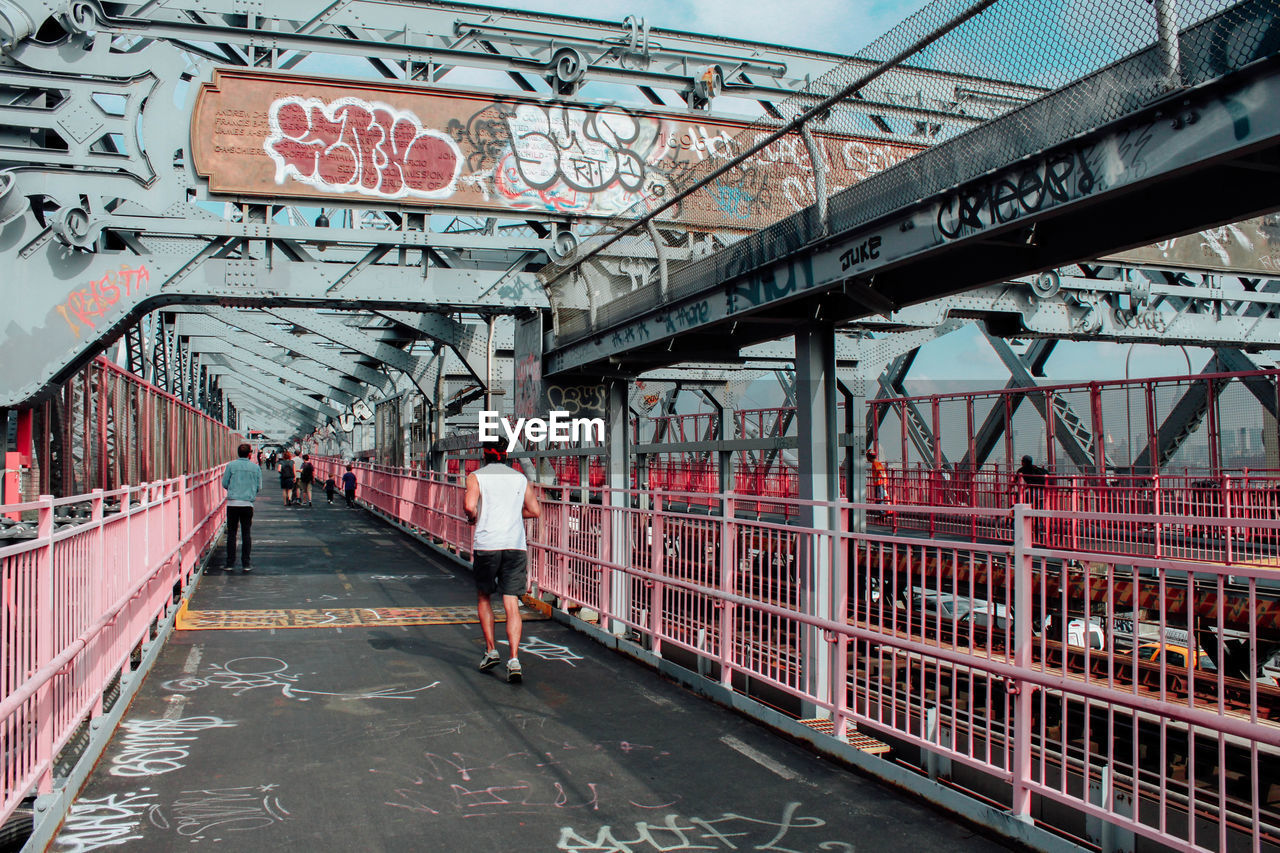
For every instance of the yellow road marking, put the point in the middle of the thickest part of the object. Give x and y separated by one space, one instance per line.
336 617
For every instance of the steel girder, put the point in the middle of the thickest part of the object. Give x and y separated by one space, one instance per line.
301 376
332 327
299 371
233 376
468 340
962 234
121 220
993 425
1074 435
242 328
422 42
1120 304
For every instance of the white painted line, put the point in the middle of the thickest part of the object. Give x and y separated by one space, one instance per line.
193 659
177 703
660 701
760 758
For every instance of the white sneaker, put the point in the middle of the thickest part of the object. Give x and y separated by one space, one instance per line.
490 660
514 671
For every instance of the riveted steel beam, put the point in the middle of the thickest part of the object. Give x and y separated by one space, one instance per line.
287 373
223 322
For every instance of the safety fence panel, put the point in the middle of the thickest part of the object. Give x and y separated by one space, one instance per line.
1084 690
78 598
106 428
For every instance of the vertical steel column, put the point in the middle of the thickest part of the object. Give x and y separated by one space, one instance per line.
103 461
1153 429
86 431
1167 36
11 488
489 352
1215 434
618 480
815 389
724 458
972 443
44 640
1006 400
1099 443
1023 581
1050 431
855 464
902 429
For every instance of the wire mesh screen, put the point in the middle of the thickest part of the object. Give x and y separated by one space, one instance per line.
1193 426
960 89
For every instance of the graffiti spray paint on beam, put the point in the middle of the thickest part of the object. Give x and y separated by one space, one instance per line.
93 301
271 134
765 270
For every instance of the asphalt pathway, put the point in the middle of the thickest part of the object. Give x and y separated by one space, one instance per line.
388 738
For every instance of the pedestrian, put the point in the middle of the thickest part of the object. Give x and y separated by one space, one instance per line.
242 480
1029 481
330 489
305 478
879 477
349 486
497 500
287 481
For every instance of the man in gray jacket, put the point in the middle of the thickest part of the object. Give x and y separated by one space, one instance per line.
242 480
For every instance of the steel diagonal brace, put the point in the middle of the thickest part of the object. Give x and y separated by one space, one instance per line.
253 325
244 397
261 364
1182 420
467 340
1064 417
340 387
1262 389
992 427
1192 407
259 387
330 327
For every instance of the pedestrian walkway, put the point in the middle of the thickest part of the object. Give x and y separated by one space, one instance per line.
302 707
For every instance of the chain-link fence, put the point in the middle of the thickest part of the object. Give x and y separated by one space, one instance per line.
960 89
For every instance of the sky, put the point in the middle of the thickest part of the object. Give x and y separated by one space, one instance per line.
833 26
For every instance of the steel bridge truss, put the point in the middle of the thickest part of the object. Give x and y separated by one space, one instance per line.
102 227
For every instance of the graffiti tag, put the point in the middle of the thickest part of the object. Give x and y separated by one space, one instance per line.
96 298
350 145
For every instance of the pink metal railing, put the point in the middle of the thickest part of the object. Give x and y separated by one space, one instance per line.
1001 656
77 600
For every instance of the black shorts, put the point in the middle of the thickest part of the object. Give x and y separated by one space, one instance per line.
501 571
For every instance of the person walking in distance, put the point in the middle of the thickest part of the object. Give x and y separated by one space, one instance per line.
242 480
305 477
879 477
349 486
287 481
1029 482
497 500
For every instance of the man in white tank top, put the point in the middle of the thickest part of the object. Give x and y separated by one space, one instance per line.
498 500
